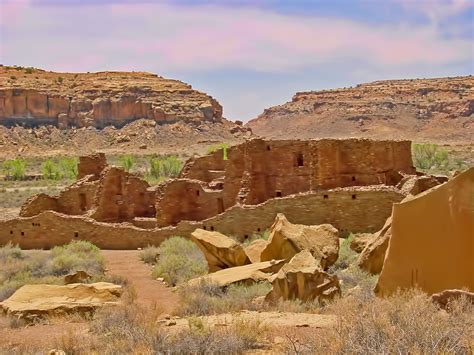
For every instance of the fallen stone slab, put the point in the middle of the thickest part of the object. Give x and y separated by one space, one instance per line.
31 301
443 298
302 278
254 250
77 277
245 274
287 239
220 251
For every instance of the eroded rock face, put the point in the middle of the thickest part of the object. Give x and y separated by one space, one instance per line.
34 97
372 256
220 251
431 243
443 298
246 274
254 250
40 300
302 278
360 241
287 239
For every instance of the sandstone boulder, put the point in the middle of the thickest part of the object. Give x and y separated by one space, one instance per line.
372 256
241 274
220 251
76 277
287 239
360 241
254 250
37 300
302 278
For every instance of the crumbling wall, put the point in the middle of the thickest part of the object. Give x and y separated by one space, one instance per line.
122 196
76 199
92 164
185 199
366 212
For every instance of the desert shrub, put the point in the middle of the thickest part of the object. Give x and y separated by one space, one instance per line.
206 298
18 268
166 167
149 255
127 162
432 158
51 170
60 79
14 169
404 323
28 70
179 260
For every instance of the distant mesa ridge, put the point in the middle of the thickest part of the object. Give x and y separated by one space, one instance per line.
439 109
32 97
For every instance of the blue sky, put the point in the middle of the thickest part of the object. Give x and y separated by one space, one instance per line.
248 54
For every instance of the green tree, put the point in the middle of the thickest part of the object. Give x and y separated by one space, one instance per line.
69 167
127 162
15 169
51 170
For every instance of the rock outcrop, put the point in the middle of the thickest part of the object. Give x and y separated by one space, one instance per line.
444 298
77 277
33 97
254 250
40 300
302 278
440 110
287 239
373 255
431 243
220 251
360 241
246 274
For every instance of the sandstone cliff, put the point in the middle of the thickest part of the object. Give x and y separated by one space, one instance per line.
440 110
34 97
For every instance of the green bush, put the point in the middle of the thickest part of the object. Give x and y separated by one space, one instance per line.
432 158
51 170
179 261
127 162
215 148
166 167
68 167
14 169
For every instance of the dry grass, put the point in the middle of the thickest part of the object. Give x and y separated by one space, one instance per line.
18 268
149 254
405 323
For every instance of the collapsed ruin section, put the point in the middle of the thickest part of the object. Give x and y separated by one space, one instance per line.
351 184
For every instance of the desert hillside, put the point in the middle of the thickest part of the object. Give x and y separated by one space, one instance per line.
48 113
435 110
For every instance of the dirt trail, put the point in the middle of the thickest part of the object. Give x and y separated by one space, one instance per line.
149 292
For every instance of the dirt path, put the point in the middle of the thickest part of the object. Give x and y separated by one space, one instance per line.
149 292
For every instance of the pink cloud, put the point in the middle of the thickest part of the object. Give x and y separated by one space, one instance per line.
211 37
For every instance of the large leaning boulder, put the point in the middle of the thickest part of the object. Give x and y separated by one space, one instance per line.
254 250
247 274
360 241
372 256
287 239
38 300
220 251
302 278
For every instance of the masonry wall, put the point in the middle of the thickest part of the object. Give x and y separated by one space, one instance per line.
366 212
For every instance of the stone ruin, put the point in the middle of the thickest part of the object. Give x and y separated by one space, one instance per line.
350 184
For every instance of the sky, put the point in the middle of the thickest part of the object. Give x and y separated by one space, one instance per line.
249 55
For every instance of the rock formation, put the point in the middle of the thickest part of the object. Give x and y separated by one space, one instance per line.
440 110
303 278
246 274
287 239
360 241
254 250
444 298
34 97
46 300
373 255
431 243
220 251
